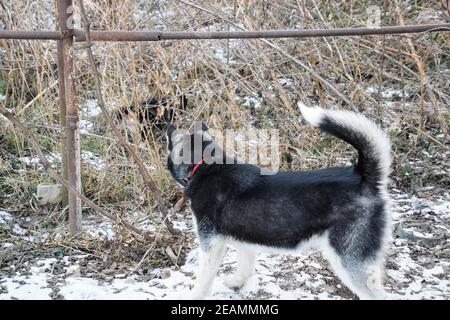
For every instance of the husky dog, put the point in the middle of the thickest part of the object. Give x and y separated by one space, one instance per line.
343 211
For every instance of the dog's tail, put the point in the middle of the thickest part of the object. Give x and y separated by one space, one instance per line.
374 160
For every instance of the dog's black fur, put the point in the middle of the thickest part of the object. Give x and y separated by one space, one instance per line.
283 209
234 201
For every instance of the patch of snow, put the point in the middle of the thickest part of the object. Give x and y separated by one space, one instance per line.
222 55
73 270
91 108
419 234
88 157
251 102
33 287
286 82
429 14
86 126
93 160
5 217
103 230
441 207
52 157
43 266
181 225
386 93
89 111
30 287
30 161
391 93
17 230
80 288
430 273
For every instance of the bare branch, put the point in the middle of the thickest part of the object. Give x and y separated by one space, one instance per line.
145 175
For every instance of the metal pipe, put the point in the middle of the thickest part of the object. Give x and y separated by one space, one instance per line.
30 35
192 35
305 33
80 35
72 119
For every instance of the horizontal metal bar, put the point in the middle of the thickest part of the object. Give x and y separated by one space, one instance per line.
30 35
305 33
118 35
193 35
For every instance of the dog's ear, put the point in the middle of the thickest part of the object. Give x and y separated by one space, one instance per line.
169 132
201 129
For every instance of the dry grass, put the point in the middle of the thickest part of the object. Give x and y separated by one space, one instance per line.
219 76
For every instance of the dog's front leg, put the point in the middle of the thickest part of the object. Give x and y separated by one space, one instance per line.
210 258
245 259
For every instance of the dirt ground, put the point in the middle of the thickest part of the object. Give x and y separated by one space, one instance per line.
418 264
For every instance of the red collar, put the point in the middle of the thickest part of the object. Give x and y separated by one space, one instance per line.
196 167
191 174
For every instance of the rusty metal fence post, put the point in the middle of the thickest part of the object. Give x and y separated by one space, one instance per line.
68 106
62 105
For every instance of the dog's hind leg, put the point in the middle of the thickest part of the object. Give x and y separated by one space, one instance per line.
245 266
211 255
365 279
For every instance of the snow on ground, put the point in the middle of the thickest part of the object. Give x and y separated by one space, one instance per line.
35 162
90 110
418 266
94 161
386 93
252 102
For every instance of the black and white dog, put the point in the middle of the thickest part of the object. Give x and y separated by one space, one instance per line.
343 211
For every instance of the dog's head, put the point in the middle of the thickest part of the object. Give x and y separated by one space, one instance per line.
186 150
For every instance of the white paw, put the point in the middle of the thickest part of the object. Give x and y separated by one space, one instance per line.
187 295
235 281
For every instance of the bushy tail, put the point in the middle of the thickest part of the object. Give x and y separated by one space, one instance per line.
372 143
